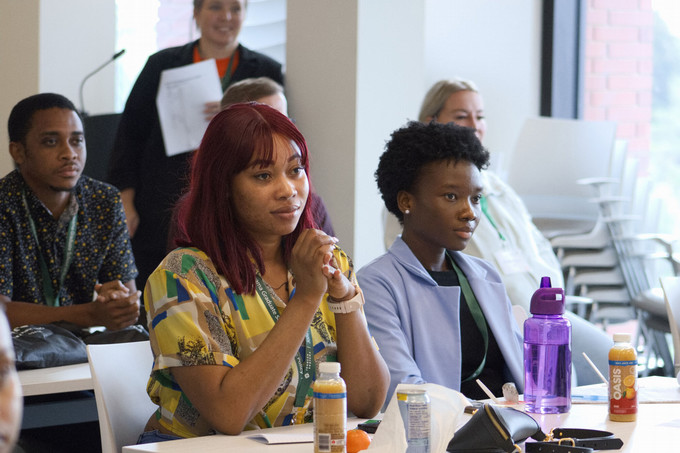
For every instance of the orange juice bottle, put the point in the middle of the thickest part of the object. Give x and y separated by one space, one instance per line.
622 380
330 409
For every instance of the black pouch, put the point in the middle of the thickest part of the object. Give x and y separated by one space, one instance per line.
494 429
46 345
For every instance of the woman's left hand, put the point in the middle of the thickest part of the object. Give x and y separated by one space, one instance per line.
339 287
310 260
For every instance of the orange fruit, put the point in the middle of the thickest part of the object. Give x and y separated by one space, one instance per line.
357 440
630 393
629 380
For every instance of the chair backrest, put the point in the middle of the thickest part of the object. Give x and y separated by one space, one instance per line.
551 155
671 291
120 373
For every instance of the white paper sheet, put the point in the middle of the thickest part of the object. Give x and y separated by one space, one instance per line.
181 98
283 438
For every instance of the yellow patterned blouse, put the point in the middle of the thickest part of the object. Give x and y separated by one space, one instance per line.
196 319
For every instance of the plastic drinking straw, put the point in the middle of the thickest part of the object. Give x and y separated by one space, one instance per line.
590 362
486 390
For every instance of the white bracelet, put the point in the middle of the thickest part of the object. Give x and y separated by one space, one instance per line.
347 306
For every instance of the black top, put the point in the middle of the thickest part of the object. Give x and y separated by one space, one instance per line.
472 347
101 250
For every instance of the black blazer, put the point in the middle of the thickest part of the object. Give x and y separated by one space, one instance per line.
138 158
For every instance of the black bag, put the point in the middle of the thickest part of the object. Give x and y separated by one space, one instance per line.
63 343
46 345
494 429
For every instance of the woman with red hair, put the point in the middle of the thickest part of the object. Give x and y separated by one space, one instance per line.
241 315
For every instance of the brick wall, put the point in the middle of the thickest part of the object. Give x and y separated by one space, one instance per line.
618 70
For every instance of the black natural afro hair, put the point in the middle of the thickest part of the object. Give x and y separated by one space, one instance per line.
417 144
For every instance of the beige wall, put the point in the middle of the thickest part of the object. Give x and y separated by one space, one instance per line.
50 45
321 78
19 61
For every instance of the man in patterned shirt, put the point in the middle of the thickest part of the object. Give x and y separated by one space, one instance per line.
65 252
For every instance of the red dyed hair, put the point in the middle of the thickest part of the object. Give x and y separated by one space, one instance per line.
206 216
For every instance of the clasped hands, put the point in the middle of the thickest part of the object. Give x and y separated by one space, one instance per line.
315 268
115 305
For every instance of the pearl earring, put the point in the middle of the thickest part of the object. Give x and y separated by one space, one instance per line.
407 212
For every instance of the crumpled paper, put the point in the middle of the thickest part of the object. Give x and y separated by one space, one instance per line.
446 409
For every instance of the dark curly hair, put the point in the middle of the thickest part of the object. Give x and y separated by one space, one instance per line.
417 144
21 116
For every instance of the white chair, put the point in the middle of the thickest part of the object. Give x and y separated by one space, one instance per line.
550 156
671 291
120 373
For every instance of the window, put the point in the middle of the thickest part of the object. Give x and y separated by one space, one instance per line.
664 165
632 76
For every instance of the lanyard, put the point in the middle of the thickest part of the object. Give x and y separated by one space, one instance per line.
485 209
305 373
477 314
227 75
52 297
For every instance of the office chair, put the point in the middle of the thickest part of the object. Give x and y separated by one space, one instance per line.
588 259
642 264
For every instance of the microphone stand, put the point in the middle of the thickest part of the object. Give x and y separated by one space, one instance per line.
82 84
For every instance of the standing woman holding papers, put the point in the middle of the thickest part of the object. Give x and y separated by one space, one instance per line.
149 180
241 316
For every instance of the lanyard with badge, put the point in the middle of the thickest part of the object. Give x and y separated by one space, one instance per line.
227 75
509 259
304 367
52 296
475 311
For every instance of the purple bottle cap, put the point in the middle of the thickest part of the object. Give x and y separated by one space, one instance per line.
547 300
545 282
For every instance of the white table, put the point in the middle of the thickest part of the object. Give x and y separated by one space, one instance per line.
50 381
221 443
656 428
45 381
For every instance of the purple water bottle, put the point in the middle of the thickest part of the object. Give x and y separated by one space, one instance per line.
547 353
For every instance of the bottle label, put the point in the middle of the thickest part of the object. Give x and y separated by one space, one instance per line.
623 363
330 417
623 387
330 396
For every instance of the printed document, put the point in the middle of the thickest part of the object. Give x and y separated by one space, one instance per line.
182 94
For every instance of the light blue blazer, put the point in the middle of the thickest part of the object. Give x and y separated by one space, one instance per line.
416 322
